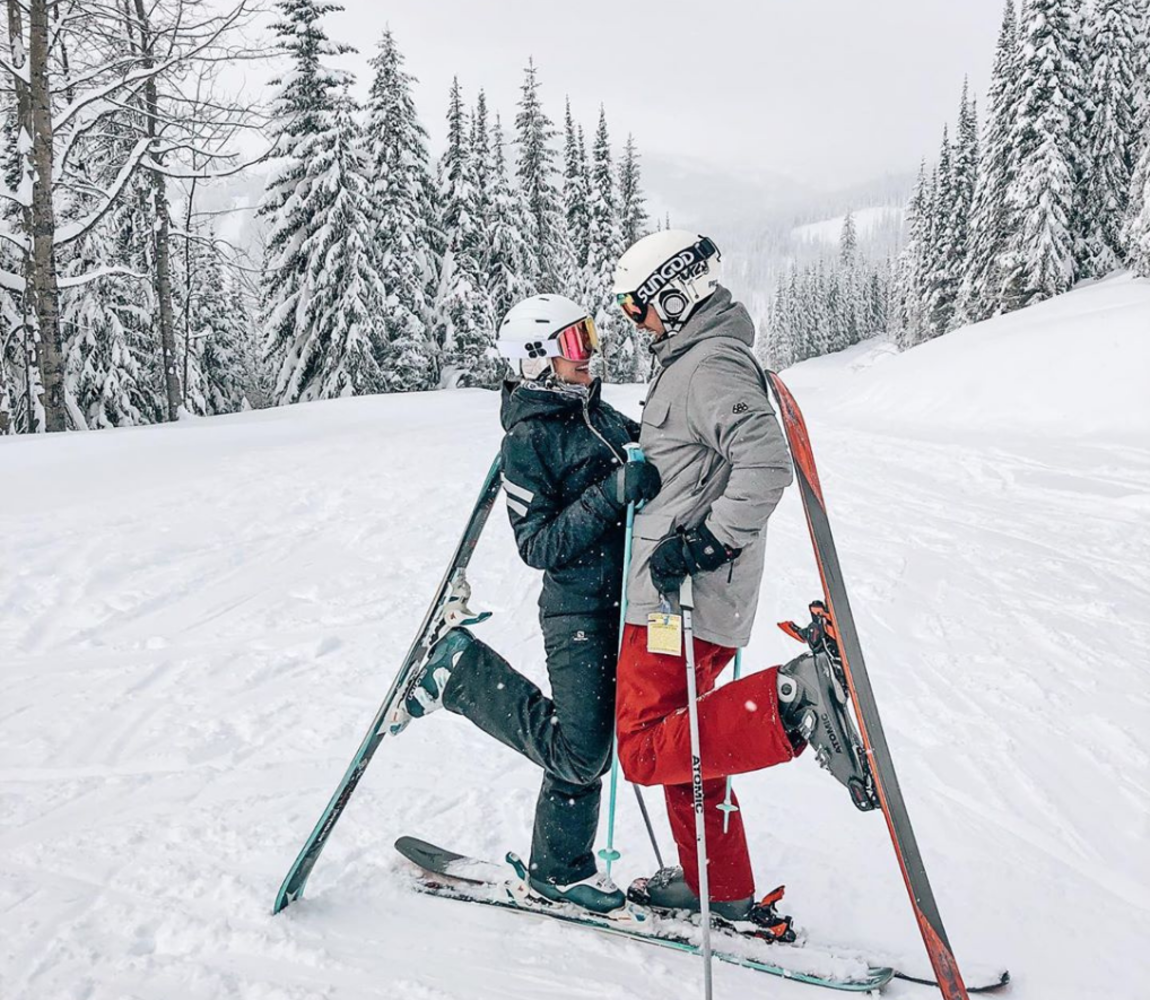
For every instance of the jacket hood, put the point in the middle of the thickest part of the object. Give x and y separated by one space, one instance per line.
719 316
525 400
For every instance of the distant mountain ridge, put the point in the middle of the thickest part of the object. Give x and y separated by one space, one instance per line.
744 202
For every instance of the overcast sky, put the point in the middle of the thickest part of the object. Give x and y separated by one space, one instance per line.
828 92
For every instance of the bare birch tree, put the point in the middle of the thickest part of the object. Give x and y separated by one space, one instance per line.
103 82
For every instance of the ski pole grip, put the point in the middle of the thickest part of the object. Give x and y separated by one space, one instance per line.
635 454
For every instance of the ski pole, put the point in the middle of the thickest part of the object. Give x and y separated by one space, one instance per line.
726 807
650 828
687 605
609 854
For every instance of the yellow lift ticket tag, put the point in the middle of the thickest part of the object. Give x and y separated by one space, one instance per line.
665 634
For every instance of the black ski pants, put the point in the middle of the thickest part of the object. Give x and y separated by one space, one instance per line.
569 735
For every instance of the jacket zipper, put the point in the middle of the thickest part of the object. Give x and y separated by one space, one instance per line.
607 444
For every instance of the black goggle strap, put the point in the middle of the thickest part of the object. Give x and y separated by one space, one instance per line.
706 249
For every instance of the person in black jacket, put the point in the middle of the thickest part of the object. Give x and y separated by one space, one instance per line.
567 483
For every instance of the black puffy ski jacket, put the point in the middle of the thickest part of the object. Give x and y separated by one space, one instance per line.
558 448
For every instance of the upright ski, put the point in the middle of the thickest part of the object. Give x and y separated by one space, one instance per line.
874 740
297 876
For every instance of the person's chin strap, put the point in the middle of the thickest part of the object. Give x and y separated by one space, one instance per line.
550 382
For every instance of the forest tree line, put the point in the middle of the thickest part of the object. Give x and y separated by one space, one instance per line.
119 302
1051 189
381 271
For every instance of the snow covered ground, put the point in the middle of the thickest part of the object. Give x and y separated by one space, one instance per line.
197 623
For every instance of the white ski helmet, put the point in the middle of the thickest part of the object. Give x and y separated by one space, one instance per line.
673 271
544 327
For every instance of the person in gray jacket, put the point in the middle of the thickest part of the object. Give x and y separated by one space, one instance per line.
710 430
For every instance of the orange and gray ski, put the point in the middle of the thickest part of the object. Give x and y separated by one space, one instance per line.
874 744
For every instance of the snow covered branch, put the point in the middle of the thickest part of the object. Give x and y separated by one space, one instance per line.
178 57
18 240
207 175
18 73
74 230
12 282
79 280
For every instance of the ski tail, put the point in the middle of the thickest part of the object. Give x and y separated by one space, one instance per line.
862 697
296 879
997 984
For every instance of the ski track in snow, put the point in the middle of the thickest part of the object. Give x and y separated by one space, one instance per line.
197 624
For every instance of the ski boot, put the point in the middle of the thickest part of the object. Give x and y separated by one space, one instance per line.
450 639
667 891
813 707
596 894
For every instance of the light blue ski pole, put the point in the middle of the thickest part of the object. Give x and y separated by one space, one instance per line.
727 806
609 854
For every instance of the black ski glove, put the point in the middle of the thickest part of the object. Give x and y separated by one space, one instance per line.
686 553
634 482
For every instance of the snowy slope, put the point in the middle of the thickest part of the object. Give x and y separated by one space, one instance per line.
1075 367
867 220
197 623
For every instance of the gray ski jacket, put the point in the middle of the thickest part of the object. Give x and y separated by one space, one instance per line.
709 428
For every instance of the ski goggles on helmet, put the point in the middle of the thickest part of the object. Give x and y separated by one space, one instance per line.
575 342
578 341
635 312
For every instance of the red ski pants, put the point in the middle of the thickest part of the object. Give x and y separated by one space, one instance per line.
739 731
